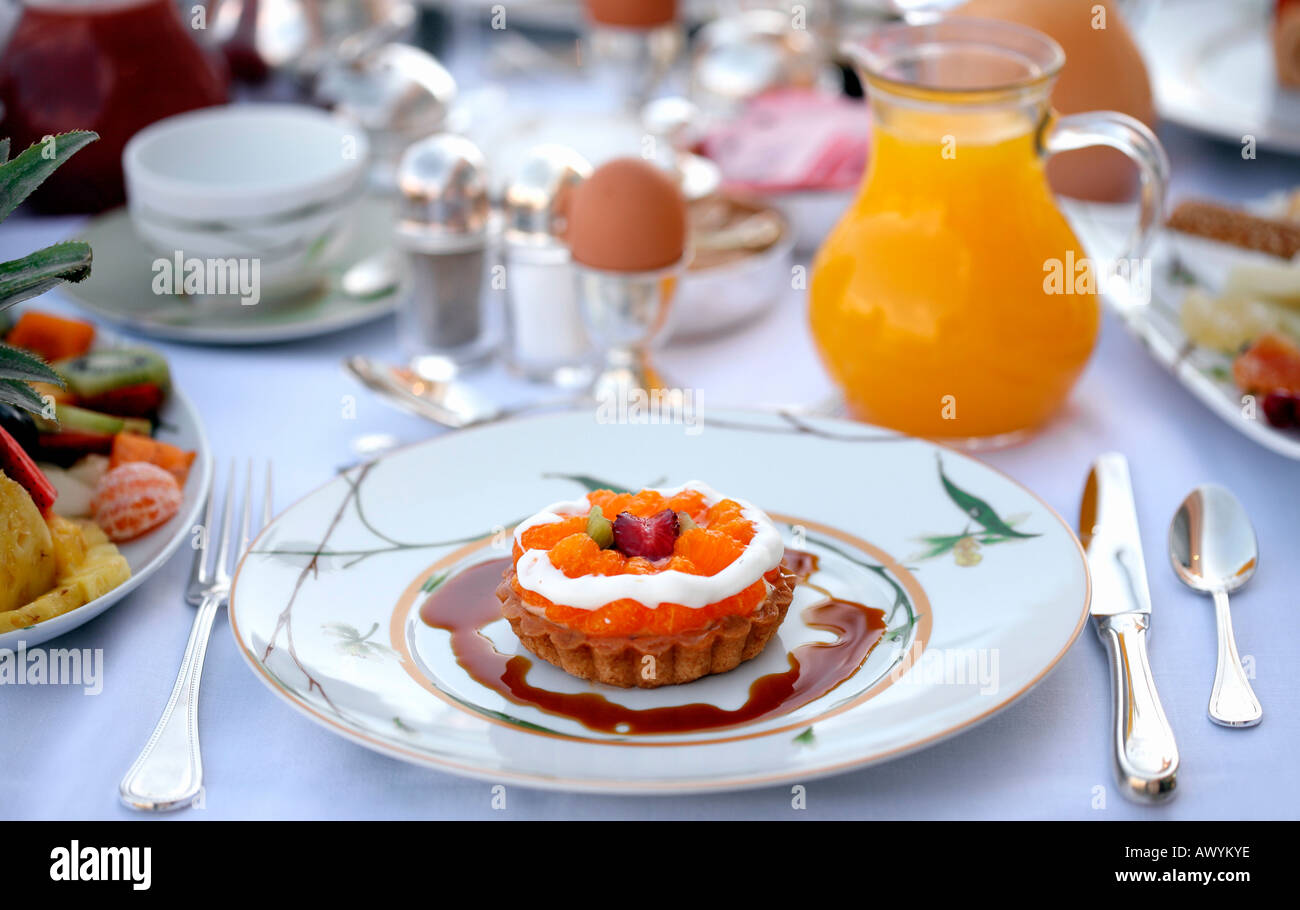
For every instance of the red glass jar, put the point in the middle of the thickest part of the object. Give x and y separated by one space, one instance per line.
112 66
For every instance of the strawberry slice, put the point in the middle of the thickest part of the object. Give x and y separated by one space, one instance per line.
19 467
1280 408
650 538
140 400
65 448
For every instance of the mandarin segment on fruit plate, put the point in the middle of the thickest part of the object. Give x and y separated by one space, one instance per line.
685 575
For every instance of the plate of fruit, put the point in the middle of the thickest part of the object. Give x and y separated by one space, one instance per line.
103 469
1220 308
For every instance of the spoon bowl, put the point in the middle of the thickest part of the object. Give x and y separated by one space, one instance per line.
1211 541
1213 549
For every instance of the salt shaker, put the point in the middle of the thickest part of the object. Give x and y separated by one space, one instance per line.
444 231
548 341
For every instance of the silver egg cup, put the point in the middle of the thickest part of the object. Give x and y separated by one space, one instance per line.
625 314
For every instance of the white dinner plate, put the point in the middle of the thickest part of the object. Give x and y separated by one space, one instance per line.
1211 64
179 424
325 606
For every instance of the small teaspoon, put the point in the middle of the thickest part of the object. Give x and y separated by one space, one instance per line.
1213 549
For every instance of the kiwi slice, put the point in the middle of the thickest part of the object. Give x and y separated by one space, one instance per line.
74 419
103 370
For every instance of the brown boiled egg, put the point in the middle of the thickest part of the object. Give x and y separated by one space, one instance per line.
1103 72
632 13
628 216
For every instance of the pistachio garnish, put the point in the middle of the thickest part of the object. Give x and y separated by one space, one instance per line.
600 528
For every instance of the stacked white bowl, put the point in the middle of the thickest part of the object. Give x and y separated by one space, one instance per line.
268 182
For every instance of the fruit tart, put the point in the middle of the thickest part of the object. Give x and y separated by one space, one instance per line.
647 589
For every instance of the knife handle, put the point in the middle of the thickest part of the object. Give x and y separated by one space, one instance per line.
1146 756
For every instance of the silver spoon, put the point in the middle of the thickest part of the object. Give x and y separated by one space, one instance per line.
1213 549
372 277
448 402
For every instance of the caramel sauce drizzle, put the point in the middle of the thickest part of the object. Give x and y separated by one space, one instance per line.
465 603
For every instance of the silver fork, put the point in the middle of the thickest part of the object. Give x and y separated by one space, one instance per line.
168 773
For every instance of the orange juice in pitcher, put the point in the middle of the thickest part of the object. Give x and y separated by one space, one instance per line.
947 302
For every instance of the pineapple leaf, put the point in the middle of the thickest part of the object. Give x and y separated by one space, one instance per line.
21 396
36 273
18 365
22 175
4 150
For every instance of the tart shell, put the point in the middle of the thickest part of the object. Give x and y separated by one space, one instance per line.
621 660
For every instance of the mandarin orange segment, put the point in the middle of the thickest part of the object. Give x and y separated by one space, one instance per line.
740 530
543 537
609 562
639 565
134 498
1271 364
722 511
610 503
689 501
681 564
646 503
600 497
709 551
574 555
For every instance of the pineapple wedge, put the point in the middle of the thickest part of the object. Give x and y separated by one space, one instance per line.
27 562
88 565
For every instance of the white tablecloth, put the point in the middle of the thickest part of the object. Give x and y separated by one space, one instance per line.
63 751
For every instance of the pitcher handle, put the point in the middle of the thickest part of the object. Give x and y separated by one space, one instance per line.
1134 139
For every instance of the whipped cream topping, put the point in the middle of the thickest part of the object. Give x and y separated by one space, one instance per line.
591 592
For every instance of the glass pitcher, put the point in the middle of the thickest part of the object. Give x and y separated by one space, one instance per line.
952 300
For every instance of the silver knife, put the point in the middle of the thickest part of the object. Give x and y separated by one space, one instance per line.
1146 756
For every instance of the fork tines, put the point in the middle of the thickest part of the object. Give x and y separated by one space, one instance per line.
212 575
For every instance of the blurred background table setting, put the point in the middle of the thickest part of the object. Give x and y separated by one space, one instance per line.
331 235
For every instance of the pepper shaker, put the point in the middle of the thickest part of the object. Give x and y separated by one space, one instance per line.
444 232
547 339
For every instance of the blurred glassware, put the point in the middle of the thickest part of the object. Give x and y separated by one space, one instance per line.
738 57
630 46
300 37
674 125
444 228
112 67
933 302
625 313
397 93
548 341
